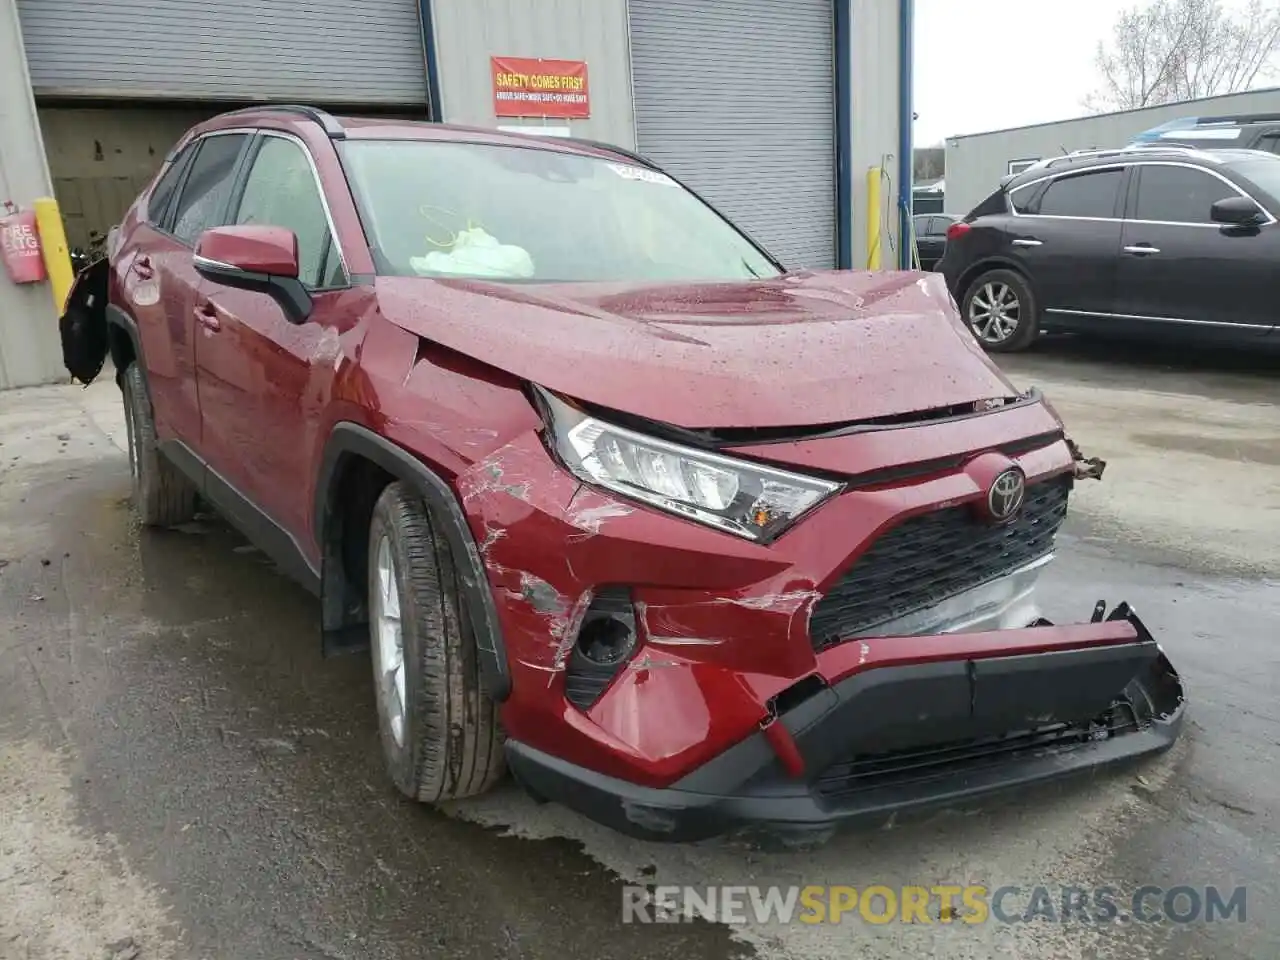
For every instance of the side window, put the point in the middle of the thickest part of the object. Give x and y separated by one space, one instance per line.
208 187
1178 194
281 191
922 226
158 202
1082 195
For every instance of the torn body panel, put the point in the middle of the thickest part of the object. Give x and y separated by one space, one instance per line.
723 626
921 723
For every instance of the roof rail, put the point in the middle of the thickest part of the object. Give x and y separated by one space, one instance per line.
1139 147
332 128
1049 162
1241 118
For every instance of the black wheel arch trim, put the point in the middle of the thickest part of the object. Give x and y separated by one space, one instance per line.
350 439
118 317
971 274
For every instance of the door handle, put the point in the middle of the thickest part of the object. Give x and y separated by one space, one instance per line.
1023 242
207 317
142 267
1142 249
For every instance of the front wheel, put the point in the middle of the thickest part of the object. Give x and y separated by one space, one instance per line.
439 727
1001 311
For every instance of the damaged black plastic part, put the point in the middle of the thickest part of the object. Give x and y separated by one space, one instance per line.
83 324
1086 468
895 740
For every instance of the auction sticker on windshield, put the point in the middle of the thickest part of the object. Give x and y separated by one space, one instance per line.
641 174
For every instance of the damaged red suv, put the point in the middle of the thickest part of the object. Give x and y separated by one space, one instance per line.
685 541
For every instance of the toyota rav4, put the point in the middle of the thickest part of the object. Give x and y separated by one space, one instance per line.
684 540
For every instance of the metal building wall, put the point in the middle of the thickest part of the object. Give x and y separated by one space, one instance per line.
469 32
30 351
326 51
976 163
874 106
100 158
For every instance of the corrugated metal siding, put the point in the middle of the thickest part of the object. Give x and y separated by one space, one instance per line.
738 100
976 163
469 32
329 51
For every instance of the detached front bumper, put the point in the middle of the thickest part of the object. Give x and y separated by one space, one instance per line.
1006 709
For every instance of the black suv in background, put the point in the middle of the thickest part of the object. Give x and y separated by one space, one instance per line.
1144 241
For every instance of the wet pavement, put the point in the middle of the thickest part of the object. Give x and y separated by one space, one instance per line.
183 776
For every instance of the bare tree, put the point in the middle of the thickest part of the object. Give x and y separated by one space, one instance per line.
1175 50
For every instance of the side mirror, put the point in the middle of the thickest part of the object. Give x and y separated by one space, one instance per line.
1237 212
259 258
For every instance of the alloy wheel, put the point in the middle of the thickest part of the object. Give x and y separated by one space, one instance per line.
388 646
994 312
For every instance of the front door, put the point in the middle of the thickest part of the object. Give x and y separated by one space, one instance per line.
1065 234
264 380
1182 273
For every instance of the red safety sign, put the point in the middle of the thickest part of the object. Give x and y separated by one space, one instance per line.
20 247
526 87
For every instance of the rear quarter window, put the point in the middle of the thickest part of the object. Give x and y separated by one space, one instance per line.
158 202
994 205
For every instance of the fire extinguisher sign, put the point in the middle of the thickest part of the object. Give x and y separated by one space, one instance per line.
20 247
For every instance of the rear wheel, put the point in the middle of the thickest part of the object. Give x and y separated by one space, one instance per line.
439 728
162 494
1001 311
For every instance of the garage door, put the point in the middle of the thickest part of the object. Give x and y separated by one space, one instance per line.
319 51
738 100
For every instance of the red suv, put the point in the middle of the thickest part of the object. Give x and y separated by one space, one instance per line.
684 540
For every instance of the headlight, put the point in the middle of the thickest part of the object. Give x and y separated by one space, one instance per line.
747 499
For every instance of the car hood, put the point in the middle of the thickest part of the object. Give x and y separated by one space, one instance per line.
805 349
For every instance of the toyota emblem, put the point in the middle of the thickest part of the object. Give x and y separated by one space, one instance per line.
1008 491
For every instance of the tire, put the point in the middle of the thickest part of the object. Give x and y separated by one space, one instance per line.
447 742
162 494
1010 293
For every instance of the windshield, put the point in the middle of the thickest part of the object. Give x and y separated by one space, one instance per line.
1264 173
435 209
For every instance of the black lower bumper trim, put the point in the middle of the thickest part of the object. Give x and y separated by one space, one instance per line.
853 780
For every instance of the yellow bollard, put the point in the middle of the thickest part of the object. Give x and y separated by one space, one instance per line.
873 218
53 247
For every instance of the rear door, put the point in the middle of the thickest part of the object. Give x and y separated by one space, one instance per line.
1180 270
263 378
159 288
1065 233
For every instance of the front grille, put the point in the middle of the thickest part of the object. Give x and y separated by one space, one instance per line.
937 555
922 764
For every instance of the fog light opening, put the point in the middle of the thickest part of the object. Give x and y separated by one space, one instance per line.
607 641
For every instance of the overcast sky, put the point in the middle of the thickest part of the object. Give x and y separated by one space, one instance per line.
986 64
